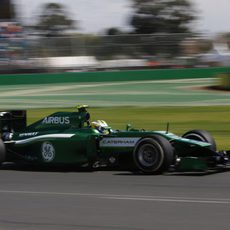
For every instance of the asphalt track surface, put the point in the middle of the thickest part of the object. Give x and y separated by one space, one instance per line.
184 92
117 200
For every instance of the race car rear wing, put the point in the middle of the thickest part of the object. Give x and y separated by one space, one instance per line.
13 121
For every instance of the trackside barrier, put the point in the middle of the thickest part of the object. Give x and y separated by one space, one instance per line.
129 75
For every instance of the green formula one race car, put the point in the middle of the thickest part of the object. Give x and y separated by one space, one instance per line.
70 138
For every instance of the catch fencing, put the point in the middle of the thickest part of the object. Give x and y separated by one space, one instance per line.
125 51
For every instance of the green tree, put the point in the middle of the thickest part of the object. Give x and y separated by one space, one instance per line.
7 10
168 22
162 16
54 20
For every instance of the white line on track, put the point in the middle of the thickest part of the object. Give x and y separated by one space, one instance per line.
199 200
167 199
39 89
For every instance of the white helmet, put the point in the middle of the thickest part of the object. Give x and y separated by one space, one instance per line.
101 126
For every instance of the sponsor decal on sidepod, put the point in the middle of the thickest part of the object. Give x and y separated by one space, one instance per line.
119 142
48 151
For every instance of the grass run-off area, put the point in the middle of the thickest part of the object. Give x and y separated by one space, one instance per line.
215 119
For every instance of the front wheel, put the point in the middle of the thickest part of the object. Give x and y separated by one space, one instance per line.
153 154
201 135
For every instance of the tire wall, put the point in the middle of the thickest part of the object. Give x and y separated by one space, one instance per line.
224 81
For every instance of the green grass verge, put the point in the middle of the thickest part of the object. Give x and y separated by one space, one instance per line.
215 119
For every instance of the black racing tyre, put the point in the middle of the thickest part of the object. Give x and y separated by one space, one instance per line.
153 154
2 151
201 135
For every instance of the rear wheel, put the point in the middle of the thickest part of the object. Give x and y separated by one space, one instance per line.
201 135
153 154
2 151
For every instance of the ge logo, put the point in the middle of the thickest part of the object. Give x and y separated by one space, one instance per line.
48 151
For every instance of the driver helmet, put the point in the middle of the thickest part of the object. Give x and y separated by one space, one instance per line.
100 126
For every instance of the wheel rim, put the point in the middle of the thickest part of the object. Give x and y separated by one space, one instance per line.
148 155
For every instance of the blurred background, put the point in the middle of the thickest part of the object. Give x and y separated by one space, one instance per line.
84 35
